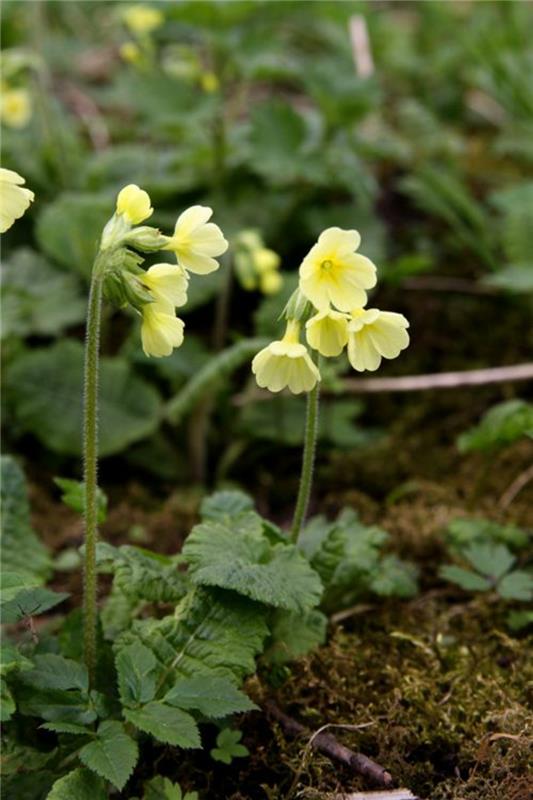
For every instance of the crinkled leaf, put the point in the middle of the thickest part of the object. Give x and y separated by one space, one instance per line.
55 672
213 697
80 784
395 577
294 635
165 723
221 505
136 669
112 754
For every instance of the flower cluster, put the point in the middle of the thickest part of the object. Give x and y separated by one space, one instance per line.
330 303
256 266
141 21
15 107
155 293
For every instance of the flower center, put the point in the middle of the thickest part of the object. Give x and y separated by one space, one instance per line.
326 265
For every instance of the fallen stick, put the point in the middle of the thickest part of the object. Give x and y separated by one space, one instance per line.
393 794
328 745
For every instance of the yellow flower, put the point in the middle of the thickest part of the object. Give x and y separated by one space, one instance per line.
327 332
167 283
130 52
270 282
209 82
14 199
373 335
286 363
15 107
333 273
265 260
161 331
196 241
142 19
134 204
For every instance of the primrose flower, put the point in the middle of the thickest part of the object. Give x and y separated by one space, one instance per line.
270 282
327 332
209 82
373 335
142 19
286 363
130 52
15 107
333 273
167 283
14 198
196 241
134 204
161 331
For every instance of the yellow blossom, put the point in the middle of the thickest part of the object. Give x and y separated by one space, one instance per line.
327 332
286 363
373 335
196 241
209 82
141 19
167 283
265 260
130 52
333 273
134 204
270 282
161 330
14 198
15 107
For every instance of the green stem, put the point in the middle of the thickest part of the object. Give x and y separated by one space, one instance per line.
90 461
308 463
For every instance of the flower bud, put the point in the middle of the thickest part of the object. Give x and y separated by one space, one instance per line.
146 239
298 307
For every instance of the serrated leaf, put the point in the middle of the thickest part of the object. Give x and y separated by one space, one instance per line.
46 388
144 575
80 784
54 705
395 577
22 550
489 559
112 755
228 746
517 585
66 727
213 697
279 576
294 635
136 670
55 672
22 599
160 788
165 723
229 503
464 578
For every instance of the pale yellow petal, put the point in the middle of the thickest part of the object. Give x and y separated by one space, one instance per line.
167 282
14 198
134 204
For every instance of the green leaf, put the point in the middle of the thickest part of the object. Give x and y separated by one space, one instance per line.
160 788
211 634
66 727
136 667
80 784
219 555
491 560
112 755
22 598
22 551
517 585
69 229
502 425
518 620
74 497
214 698
37 299
395 577
144 575
229 503
54 705
55 672
294 635
7 702
465 579
464 531
11 659
46 387
228 746
277 136
165 723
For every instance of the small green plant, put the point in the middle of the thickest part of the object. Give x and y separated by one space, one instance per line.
502 425
490 567
228 746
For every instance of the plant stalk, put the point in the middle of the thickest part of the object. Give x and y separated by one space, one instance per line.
308 463
90 468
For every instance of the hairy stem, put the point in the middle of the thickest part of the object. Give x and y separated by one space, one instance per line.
308 463
90 461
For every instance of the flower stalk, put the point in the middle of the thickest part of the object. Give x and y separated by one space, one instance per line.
308 462
90 468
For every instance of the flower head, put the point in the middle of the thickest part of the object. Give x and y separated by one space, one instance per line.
327 332
142 19
333 273
14 198
196 241
373 335
161 331
130 52
15 107
286 363
167 283
134 204
270 282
